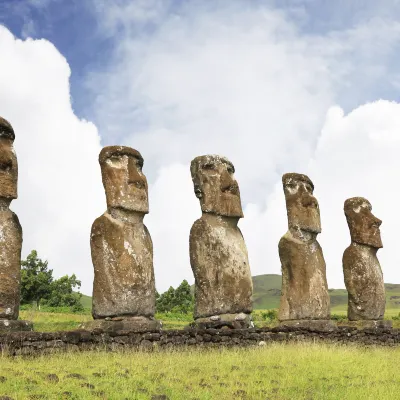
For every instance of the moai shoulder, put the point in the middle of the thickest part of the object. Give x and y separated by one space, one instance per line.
218 253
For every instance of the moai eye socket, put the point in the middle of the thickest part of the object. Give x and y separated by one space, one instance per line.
139 164
231 169
209 166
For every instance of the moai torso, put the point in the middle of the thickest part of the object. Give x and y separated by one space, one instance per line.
10 264
304 285
122 255
218 254
362 272
121 246
10 228
220 264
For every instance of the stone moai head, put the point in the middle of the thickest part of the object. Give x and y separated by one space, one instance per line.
215 185
302 207
124 182
8 162
363 225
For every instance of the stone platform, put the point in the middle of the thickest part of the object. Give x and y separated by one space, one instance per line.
129 324
11 325
319 325
232 321
371 324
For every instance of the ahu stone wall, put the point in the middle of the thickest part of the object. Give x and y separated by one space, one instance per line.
36 343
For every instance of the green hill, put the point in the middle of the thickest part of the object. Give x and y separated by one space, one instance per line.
267 291
86 301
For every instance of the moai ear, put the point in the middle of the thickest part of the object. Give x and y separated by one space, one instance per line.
198 192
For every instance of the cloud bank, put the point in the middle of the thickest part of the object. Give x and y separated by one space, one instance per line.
59 195
241 80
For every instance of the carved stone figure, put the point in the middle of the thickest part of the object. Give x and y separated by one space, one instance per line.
121 246
362 272
218 253
305 297
10 235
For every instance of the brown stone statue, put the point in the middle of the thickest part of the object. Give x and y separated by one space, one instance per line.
121 246
305 299
218 253
10 235
362 272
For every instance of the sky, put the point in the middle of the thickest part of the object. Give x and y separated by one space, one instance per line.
308 86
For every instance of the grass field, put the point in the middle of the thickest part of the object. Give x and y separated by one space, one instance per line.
51 321
274 372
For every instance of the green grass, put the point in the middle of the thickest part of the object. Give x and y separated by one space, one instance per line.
275 372
52 321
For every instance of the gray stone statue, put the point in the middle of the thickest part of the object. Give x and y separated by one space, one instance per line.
218 253
305 300
10 235
121 246
362 272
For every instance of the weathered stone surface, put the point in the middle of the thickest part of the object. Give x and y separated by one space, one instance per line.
10 228
131 324
304 286
317 325
218 254
121 246
371 324
362 272
12 325
233 321
25 343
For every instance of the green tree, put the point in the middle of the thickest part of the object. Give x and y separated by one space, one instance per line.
36 279
62 293
39 287
175 300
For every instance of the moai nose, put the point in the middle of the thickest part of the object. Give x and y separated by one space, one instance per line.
134 178
227 180
5 159
377 222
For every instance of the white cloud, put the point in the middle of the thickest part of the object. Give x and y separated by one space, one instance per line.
237 80
241 81
60 190
356 155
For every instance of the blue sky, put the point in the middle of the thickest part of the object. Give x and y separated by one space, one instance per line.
276 86
75 29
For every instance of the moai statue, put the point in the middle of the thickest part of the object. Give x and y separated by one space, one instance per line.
10 235
362 272
305 299
218 253
121 246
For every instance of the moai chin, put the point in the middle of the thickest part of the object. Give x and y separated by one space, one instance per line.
305 299
362 272
121 247
10 235
218 253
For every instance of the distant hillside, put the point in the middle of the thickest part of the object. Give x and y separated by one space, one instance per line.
86 301
267 291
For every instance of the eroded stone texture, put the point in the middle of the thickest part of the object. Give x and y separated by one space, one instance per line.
218 254
362 272
304 286
10 228
121 246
